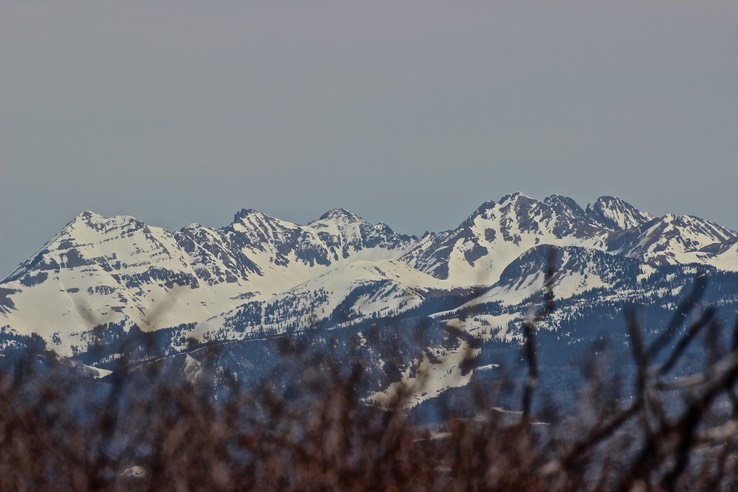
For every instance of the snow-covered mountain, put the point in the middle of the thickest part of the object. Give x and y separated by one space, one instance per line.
671 240
479 249
615 214
476 252
101 270
260 277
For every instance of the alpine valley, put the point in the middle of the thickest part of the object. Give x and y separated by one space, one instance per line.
105 286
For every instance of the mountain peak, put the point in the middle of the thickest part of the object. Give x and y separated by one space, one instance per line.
514 197
616 214
246 212
87 215
87 218
97 222
564 205
341 214
255 218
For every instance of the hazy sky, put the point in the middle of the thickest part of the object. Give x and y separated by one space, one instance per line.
407 112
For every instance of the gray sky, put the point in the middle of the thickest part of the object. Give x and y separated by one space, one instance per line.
407 112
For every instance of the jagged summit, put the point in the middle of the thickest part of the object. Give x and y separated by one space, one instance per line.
335 214
565 206
515 196
341 214
86 216
100 222
607 211
616 214
247 213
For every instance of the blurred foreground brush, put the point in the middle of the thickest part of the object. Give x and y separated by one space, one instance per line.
152 426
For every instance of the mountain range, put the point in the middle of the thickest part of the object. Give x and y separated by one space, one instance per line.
260 277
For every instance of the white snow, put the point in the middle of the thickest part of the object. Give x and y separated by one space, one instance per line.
430 379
